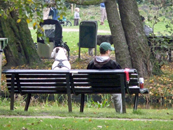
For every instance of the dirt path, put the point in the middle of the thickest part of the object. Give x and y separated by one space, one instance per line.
58 117
77 30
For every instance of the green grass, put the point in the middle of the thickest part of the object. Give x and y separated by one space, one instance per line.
81 124
52 115
72 39
61 109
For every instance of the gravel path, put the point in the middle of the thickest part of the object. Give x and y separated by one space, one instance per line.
77 30
58 117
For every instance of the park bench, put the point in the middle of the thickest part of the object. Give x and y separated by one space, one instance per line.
37 82
124 81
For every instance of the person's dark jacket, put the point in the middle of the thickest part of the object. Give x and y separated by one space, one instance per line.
102 63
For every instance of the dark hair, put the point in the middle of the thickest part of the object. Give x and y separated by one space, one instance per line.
102 51
142 18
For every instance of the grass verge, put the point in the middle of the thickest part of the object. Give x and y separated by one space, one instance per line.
81 124
56 109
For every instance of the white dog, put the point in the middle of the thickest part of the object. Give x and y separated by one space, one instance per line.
61 61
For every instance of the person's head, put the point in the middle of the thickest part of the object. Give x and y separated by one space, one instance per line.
105 47
142 18
77 9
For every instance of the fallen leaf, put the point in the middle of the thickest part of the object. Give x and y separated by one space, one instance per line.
99 126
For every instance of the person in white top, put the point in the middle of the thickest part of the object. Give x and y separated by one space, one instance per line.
76 17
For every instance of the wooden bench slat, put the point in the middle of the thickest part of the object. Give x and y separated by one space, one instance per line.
38 76
36 87
41 91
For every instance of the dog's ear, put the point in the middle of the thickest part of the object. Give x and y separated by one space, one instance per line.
57 49
53 53
65 51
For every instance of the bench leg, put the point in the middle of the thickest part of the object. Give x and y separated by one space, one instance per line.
27 102
69 93
12 93
12 101
69 103
82 102
136 101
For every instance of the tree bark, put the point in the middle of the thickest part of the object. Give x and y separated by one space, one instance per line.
20 49
136 39
119 40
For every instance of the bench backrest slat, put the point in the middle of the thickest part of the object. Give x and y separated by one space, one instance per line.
96 80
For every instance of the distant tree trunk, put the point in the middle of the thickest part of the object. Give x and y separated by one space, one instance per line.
136 39
20 49
119 40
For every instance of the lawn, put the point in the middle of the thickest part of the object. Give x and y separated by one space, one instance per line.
81 124
91 110
51 116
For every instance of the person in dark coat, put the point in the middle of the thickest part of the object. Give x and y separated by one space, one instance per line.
105 62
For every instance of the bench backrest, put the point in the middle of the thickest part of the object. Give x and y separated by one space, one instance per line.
57 81
104 81
37 81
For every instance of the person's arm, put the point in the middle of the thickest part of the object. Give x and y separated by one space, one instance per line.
118 66
90 65
115 65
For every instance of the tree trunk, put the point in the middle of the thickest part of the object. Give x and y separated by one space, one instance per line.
136 39
119 40
20 49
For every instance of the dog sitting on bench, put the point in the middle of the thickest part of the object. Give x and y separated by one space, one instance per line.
61 61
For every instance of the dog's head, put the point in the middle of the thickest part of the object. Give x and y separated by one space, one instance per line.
59 53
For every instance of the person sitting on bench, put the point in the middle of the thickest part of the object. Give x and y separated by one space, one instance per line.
104 62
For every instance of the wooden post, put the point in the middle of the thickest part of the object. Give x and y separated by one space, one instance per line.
72 8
